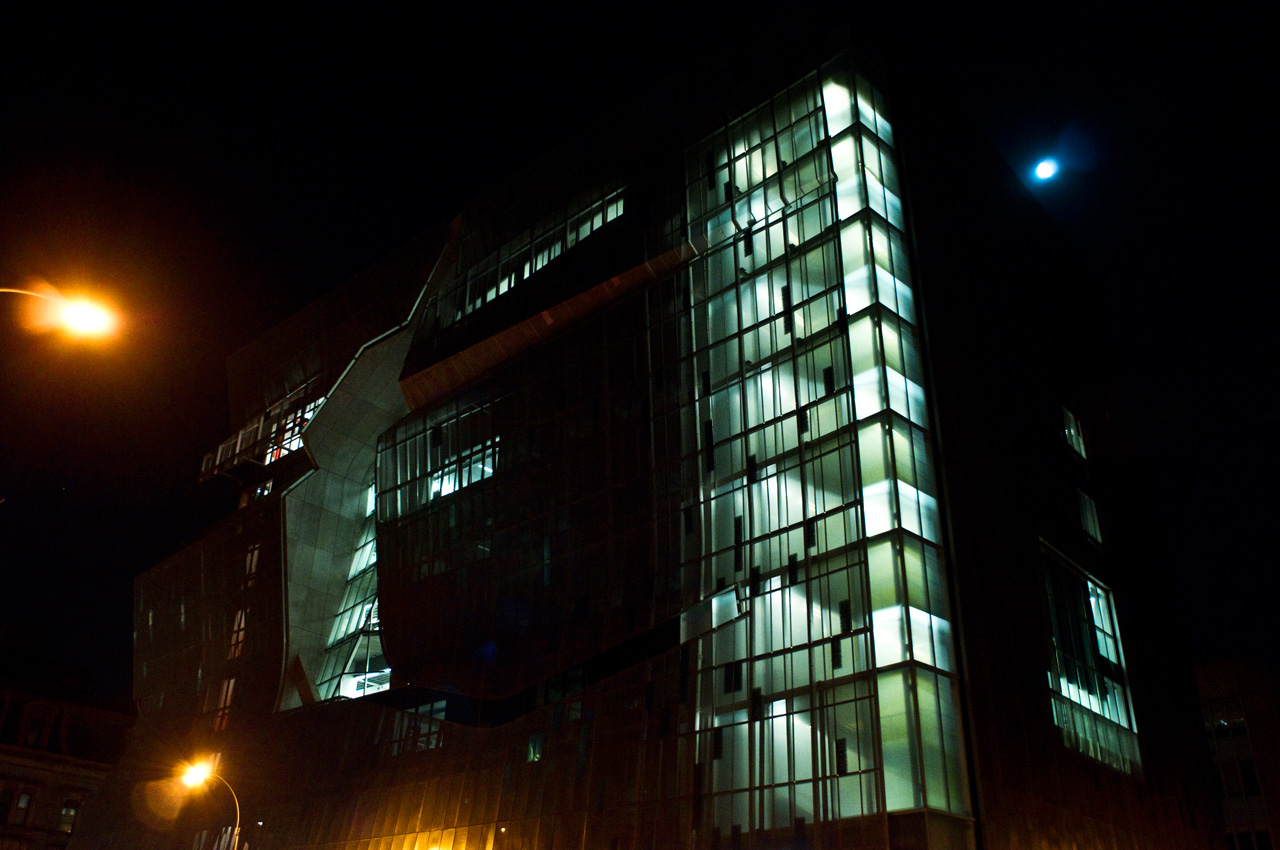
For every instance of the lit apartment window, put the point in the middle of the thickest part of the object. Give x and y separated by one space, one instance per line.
1089 517
237 635
21 810
67 817
1071 430
1090 691
537 742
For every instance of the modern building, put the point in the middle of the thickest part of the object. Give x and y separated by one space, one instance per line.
746 482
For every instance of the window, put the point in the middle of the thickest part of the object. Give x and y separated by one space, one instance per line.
224 704
1071 430
1089 517
423 463
67 818
21 810
1091 703
286 432
515 262
237 635
419 728
37 725
251 564
537 742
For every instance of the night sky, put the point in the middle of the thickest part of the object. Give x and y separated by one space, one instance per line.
210 177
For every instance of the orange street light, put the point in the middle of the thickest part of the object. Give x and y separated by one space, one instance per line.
74 316
197 774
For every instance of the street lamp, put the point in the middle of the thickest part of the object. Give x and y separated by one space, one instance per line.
195 775
75 316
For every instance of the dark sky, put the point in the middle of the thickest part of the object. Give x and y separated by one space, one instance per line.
212 176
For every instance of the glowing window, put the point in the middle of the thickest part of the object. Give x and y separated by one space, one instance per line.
286 434
537 743
67 818
1072 431
522 257
1090 691
21 810
459 471
237 635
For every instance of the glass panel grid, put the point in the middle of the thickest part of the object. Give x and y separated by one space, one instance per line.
1090 691
791 485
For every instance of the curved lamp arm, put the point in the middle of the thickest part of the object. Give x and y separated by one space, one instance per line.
235 834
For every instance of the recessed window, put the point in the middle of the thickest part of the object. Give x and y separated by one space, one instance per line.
537 742
237 635
225 693
1089 517
251 564
67 818
21 809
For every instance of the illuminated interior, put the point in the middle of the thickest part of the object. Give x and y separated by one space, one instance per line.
832 693
507 268
353 662
1091 703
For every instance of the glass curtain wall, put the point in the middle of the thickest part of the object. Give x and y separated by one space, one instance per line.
1091 703
507 268
827 686
353 662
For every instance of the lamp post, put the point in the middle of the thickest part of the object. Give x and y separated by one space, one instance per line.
197 774
76 316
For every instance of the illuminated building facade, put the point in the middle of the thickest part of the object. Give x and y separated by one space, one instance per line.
639 510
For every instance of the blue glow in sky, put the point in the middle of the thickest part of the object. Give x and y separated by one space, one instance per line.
1046 168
